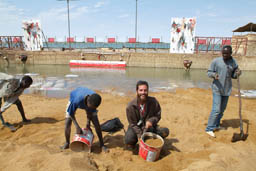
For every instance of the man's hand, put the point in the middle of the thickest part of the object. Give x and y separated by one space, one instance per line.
216 77
148 125
79 131
104 149
89 128
238 72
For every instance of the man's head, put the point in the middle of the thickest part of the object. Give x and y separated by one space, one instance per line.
142 90
26 81
94 101
226 52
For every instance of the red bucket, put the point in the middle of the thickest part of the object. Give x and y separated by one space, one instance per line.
147 151
82 142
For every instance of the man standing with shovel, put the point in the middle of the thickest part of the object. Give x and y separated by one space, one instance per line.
222 70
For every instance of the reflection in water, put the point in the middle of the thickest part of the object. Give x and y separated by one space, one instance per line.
186 75
59 80
24 69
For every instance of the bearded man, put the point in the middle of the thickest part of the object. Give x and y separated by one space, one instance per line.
143 114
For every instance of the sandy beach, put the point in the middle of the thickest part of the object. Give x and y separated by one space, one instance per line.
35 146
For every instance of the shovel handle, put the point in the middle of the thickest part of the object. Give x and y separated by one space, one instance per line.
240 105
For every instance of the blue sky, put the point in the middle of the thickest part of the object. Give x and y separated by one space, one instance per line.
116 18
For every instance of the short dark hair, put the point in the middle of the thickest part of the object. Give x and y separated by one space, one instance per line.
141 82
27 80
227 47
94 99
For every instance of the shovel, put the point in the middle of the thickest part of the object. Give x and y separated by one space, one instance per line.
242 136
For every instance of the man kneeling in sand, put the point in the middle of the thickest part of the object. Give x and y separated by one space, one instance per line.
10 90
143 114
88 100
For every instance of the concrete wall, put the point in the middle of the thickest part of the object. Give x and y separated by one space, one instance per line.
200 61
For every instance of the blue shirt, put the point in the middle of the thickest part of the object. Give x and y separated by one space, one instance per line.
226 71
77 99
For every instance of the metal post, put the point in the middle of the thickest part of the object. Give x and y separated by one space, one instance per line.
136 21
136 24
68 25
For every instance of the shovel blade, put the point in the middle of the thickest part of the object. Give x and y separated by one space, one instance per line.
238 137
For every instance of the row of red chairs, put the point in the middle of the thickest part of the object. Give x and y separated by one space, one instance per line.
130 40
110 40
223 42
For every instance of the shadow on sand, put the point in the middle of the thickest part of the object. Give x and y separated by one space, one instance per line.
110 141
39 120
36 120
168 147
234 123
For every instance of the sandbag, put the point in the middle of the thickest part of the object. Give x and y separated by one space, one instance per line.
112 125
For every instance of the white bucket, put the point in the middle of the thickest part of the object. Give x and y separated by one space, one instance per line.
82 142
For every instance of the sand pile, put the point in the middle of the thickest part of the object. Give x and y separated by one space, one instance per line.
35 146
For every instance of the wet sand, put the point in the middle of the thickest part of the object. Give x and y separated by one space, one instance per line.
35 146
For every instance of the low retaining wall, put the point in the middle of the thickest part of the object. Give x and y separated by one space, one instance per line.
200 61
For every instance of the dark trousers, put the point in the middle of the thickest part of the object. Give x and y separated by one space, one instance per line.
132 139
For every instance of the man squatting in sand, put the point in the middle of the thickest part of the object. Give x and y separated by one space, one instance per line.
143 114
88 100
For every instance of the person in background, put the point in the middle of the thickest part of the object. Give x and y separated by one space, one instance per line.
83 98
222 70
143 114
10 90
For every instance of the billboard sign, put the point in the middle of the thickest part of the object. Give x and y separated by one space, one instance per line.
32 35
182 35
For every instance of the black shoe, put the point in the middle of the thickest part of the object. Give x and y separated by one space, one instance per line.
26 120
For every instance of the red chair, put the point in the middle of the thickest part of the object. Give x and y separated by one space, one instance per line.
155 40
51 40
70 39
201 41
226 42
89 40
111 40
16 40
132 40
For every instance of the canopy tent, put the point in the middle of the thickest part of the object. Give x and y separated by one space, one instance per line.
250 27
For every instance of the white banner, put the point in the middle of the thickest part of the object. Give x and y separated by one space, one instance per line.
182 35
32 35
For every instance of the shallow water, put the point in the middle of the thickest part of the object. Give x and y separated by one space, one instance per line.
59 80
